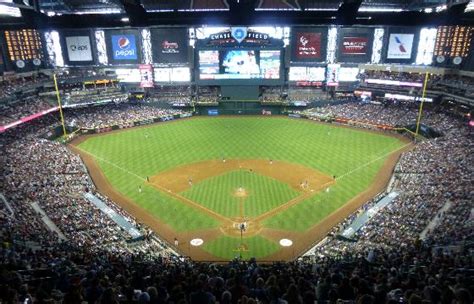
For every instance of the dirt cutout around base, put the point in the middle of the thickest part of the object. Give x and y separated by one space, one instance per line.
240 193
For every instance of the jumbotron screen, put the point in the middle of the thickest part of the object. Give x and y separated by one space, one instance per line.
239 64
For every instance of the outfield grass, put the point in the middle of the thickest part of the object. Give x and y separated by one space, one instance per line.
127 157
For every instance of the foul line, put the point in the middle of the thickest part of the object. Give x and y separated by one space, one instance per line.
175 195
374 160
110 163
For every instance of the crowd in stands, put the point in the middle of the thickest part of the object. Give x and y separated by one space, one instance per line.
389 75
453 84
386 263
11 112
116 114
307 95
271 95
457 85
10 85
69 74
94 95
392 113
208 95
172 95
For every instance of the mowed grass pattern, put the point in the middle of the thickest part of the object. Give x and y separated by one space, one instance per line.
353 156
263 193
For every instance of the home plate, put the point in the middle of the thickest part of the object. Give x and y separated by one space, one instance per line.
196 242
286 242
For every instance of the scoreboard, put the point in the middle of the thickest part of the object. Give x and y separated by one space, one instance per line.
24 45
453 41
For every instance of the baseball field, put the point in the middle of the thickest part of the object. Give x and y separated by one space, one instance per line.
207 178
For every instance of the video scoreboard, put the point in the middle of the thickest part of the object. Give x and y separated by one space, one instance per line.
239 64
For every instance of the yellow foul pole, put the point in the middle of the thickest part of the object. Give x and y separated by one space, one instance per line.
59 104
421 104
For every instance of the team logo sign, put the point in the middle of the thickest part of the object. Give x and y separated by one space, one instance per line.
124 47
239 33
400 46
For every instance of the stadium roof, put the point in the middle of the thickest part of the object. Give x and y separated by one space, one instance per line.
191 12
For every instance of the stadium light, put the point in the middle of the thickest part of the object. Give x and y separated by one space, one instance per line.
441 8
9 9
426 45
380 10
469 7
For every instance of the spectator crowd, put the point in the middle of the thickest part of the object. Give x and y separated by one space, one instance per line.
387 262
116 114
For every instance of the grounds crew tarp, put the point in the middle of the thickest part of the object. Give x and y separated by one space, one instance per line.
114 216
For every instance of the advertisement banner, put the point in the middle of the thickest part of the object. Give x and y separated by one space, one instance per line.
170 45
308 45
146 75
27 119
79 48
400 46
354 45
124 47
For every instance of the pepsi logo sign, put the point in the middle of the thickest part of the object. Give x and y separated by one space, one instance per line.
123 43
124 47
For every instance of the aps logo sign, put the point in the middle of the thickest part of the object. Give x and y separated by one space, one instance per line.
124 47
79 48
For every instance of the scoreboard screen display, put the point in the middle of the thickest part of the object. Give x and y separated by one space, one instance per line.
239 64
208 62
348 74
453 41
270 64
24 45
307 74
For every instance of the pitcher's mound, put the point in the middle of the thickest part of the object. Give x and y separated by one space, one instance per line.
240 192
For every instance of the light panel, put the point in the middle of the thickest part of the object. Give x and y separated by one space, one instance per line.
426 46
377 46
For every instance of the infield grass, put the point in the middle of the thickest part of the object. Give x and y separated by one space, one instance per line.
262 193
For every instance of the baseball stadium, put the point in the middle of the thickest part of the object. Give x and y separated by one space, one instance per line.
236 151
